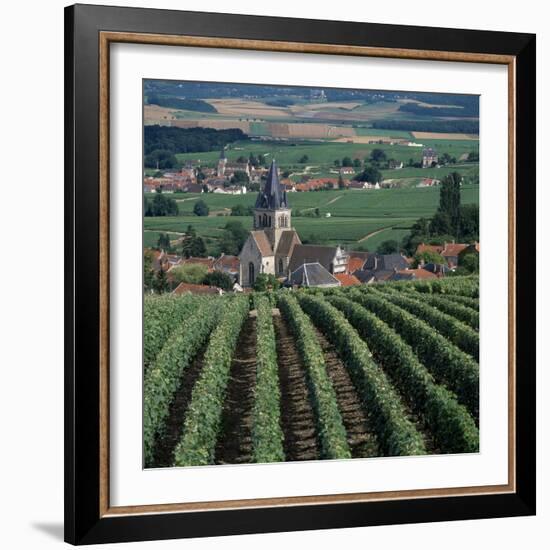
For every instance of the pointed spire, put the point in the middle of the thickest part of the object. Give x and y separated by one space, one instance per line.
222 154
273 194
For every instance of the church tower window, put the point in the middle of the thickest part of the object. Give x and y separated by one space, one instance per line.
251 277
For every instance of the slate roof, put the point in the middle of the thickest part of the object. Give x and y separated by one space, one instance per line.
273 195
312 253
386 262
312 274
289 239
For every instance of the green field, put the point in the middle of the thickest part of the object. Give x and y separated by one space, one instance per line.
323 153
353 214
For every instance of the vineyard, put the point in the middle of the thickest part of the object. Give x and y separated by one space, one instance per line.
356 372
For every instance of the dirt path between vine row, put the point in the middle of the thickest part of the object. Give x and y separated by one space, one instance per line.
173 428
297 418
234 446
360 434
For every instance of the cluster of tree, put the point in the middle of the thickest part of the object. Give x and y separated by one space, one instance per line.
241 210
370 174
279 102
254 160
239 178
193 246
201 208
465 126
445 159
172 140
347 162
161 205
473 156
388 247
303 159
451 220
180 103
266 281
233 238
163 242
199 275
470 111
161 159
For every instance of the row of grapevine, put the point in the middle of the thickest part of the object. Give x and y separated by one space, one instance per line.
457 332
202 423
396 433
449 365
267 434
462 300
461 311
451 424
163 376
160 316
331 431
462 286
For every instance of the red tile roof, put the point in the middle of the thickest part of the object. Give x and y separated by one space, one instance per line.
355 263
418 273
207 262
452 249
347 280
429 248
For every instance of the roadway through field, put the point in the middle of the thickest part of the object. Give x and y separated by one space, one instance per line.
323 205
373 233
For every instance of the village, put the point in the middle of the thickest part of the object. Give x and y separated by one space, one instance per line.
237 178
273 254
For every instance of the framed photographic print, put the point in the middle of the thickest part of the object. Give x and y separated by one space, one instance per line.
299 274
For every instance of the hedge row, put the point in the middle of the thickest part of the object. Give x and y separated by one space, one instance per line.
160 315
164 375
267 435
451 424
203 419
448 364
464 301
330 427
396 434
452 307
457 332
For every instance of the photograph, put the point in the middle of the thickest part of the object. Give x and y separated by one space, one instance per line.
310 273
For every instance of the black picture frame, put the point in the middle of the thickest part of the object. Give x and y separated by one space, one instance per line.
84 523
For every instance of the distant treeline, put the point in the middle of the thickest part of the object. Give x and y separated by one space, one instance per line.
188 140
280 102
179 103
452 126
460 111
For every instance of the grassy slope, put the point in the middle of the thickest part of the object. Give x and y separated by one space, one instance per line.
353 215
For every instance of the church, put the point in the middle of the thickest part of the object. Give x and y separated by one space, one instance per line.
269 246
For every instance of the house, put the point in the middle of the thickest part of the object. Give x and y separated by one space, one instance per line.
429 157
395 165
450 251
228 264
347 280
346 170
356 260
312 275
412 275
195 188
190 288
333 258
206 262
270 244
380 267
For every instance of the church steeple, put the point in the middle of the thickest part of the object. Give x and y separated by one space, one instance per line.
221 164
273 195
